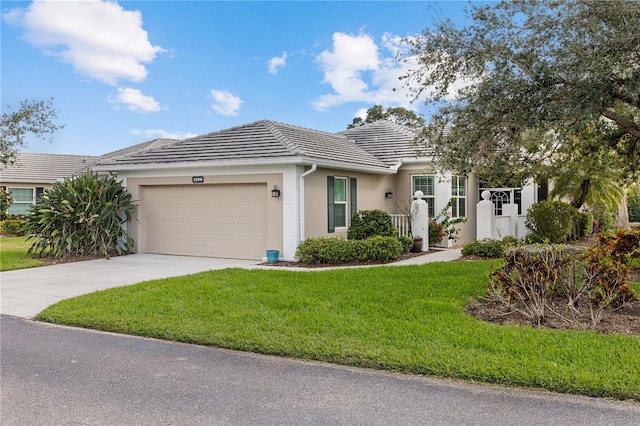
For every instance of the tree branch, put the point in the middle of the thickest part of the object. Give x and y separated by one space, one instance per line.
627 98
628 126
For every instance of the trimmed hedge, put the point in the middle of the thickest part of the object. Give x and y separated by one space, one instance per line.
369 223
337 250
488 248
552 220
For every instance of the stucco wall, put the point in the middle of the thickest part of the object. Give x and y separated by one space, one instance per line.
371 195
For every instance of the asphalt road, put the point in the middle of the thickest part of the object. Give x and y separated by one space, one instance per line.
52 375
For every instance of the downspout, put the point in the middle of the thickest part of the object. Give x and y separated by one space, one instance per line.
301 205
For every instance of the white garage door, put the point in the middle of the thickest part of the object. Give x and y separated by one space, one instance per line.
225 220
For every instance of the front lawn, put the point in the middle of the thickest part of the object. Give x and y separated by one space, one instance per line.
13 254
409 319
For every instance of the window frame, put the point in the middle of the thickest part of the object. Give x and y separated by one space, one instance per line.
343 203
429 198
16 203
349 202
457 199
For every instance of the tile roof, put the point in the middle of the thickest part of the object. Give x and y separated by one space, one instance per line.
144 146
44 168
388 141
259 140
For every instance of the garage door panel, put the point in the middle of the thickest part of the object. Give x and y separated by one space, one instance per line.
207 220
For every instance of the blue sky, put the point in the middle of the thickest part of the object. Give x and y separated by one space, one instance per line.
125 72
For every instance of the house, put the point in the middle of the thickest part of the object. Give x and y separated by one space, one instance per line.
31 174
267 186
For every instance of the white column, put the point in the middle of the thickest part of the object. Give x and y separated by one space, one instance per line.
420 219
486 225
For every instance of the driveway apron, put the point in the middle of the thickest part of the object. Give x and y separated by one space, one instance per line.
26 292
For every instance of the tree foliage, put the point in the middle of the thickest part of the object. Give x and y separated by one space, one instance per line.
36 118
524 69
398 115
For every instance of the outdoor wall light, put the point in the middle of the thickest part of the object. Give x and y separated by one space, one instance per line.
275 192
388 194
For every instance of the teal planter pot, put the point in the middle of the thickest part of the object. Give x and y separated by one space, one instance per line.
272 256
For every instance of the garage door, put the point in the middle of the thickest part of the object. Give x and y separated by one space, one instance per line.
226 220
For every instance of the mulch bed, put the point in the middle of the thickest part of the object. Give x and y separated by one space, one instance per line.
333 265
68 259
625 320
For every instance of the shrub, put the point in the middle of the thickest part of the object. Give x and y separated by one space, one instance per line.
585 224
339 250
12 227
488 248
5 202
551 220
529 278
533 275
406 242
604 218
436 233
369 223
633 205
79 216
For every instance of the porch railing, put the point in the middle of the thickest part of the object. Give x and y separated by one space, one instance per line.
402 224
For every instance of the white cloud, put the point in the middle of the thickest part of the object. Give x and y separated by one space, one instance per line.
99 38
359 70
277 62
361 113
135 100
160 133
225 103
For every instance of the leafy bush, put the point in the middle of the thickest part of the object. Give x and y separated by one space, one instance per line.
529 278
604 218
533 275
436 233
79 216
339 250
633 205
369 223
12 227
585 224
406 242
551 220
488 248
5 202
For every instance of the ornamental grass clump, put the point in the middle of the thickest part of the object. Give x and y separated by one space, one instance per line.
81 216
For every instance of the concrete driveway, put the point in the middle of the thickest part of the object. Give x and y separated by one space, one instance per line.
26 292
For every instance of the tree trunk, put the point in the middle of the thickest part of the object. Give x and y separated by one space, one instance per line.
623 214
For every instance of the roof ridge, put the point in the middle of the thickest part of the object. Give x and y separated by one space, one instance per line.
241 126
272 126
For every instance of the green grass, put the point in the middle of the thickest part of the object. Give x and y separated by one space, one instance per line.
409 319
13 254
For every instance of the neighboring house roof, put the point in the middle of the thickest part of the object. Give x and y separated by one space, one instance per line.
144 146
260 141
388 141
44 168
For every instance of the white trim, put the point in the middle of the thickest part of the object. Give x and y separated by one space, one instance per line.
301 220
239 163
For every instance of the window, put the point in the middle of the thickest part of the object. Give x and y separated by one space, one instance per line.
341 201
426 184
22 199
458 196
